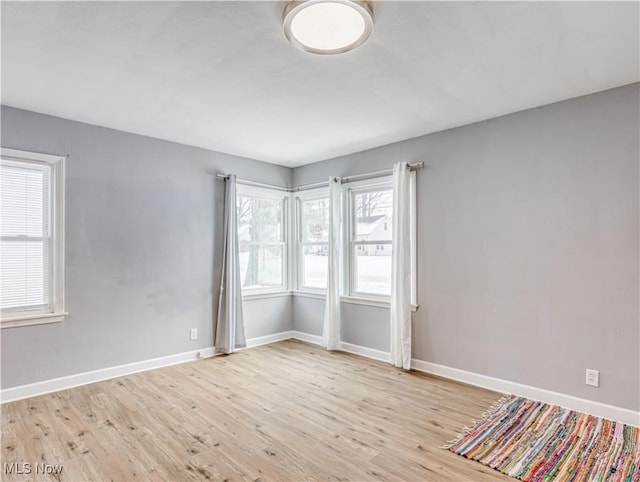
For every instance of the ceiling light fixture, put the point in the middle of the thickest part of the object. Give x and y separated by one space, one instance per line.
328 27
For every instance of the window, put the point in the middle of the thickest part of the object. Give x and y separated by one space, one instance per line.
313 240
367 241
370 245
262 239
367 223
31 238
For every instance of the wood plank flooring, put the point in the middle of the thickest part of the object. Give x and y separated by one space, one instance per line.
287 411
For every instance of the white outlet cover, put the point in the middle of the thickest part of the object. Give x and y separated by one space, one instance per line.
193 334
593 378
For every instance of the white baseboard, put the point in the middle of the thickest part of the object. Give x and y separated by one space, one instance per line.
63 383
346 347
300 335
598 409
364 351
611 412
78 379
265 340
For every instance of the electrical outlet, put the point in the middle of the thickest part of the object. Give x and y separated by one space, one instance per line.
193 334
593 378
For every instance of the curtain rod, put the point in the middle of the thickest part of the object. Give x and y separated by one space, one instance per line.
256 184
356 177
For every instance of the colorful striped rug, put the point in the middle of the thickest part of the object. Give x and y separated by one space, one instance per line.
534 441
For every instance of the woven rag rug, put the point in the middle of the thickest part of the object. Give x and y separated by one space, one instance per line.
534 441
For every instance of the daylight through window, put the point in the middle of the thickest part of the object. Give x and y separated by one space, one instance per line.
370 211
261 240
313 234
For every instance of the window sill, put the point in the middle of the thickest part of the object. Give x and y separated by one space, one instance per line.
310 294
265 294
378 303
28 320
356 300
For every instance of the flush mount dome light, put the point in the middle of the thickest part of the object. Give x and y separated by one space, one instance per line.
328 27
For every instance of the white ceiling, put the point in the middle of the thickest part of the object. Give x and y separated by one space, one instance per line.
221 75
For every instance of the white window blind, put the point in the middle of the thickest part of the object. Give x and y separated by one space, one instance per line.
25 249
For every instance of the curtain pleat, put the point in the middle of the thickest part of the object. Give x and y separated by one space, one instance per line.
229 330
331 326
401 269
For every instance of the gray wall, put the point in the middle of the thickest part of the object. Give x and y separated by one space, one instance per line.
143 247
527 247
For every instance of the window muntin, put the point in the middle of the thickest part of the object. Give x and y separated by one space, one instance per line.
31 238
262 240
370 241
313 245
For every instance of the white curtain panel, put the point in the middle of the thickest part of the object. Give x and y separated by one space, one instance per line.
401 269
331 326
229 330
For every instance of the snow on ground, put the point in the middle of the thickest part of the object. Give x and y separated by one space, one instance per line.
373 272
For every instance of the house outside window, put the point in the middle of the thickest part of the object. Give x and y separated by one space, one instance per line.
369 242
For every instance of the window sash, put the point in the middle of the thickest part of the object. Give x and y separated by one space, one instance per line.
28 277
265 194
262 274
353 276
46 270
351 242
301 211
320 194
302 266
281 206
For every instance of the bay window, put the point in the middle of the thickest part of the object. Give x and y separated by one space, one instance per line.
366 237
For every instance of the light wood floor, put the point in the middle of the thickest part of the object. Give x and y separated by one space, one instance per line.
287 411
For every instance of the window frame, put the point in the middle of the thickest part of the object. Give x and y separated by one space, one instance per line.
349 192
349 294
54 312
256 192
316 194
